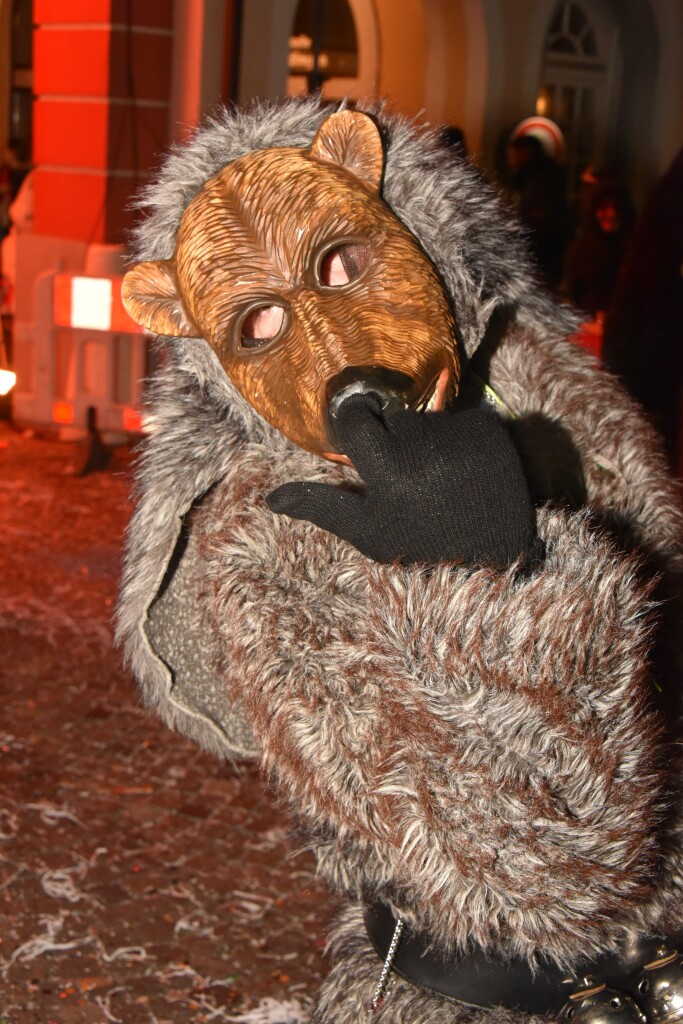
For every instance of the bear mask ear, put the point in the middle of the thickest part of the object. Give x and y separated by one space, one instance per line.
351 139
151 297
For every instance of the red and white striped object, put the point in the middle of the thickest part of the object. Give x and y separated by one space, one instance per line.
91 303
546 131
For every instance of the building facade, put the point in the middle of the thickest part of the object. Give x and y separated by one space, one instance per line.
111 83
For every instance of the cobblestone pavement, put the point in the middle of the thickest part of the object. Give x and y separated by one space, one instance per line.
141 881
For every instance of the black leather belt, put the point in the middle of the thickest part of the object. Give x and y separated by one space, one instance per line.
486 981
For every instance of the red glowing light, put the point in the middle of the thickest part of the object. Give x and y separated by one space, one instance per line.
62 412
132 420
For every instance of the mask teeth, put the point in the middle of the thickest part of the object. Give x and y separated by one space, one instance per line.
427 400
433 401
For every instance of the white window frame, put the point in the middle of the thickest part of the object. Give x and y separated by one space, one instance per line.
599 74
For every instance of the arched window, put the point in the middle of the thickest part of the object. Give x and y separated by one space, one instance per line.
323 49
572 33
578 71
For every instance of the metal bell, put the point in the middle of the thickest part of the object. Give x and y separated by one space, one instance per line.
660 987
594 1003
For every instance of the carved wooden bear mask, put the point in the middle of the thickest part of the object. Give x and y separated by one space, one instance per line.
296 272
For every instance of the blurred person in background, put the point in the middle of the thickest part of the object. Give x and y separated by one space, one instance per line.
20 218
643 336
594 258
12 173
539 191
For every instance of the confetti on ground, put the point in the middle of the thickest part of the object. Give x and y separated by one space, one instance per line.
141 881
270 1011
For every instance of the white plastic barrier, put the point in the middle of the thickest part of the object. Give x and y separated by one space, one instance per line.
82 351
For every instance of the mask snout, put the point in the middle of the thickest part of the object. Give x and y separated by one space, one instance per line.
394 390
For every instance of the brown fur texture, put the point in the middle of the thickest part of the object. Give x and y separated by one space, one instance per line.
479 748
473 746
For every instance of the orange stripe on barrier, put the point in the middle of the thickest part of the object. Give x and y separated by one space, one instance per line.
62 300
118 319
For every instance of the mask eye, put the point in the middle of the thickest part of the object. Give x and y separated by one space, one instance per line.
343 264
261 326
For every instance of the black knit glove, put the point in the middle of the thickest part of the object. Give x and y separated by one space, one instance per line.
440 487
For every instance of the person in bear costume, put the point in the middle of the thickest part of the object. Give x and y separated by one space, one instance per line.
397 538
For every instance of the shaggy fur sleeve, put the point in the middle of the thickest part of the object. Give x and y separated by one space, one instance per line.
195 428
474 746
629 485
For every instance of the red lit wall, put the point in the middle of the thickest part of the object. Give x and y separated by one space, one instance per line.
101 111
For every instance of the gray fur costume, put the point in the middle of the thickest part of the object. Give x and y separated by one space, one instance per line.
478 748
